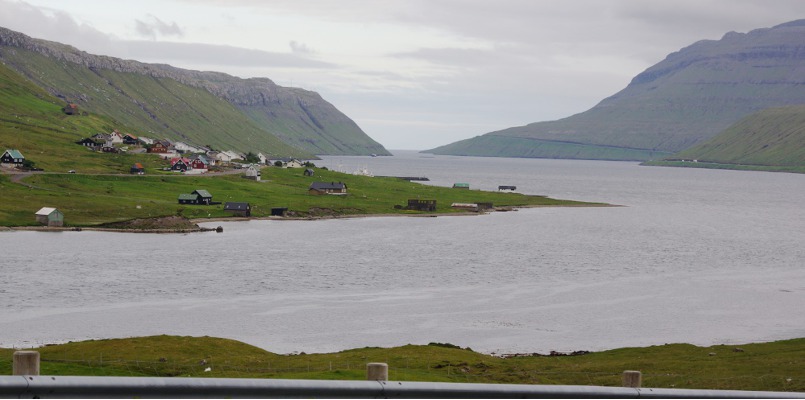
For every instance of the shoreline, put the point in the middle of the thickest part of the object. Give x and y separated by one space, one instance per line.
276 218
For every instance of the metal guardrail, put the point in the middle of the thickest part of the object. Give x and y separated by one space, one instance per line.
30 386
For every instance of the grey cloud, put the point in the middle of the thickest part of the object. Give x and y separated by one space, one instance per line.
197 55
299 48
157 27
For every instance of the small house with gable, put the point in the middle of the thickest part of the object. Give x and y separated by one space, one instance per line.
12 157
131 139
49 216
319 188
199 196
252 173
294 164
116 137
138 169
90 143
200 162
160 147
180 164
309 172
239 209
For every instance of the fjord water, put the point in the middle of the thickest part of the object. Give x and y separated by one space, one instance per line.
691 255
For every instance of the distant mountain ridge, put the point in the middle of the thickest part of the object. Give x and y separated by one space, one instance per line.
208 108
689 97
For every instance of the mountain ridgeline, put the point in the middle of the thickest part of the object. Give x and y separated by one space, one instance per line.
684 100
204 108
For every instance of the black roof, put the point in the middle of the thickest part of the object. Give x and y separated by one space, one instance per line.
234 206
327 185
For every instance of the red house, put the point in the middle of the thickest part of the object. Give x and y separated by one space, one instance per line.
198 164
158 147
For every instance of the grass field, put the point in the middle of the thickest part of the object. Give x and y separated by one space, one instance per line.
88 200
775 366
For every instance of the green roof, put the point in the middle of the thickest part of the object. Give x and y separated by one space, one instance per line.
187 196
203 193
461 185
14 153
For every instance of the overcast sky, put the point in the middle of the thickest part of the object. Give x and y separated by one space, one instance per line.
414 74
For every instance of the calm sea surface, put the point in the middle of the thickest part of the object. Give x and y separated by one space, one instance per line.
696 256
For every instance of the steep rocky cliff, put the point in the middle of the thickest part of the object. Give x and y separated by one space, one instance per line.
206 107
687 98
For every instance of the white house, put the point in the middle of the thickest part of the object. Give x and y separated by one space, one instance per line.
50 216
263 158
222 156
252 173
235 156
116 137
293 164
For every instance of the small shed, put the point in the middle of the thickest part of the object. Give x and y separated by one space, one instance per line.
12 157
199 196
309 172
137 168
421 205
465 206
252 173
50 216
239 209
461 185
279 211
318 188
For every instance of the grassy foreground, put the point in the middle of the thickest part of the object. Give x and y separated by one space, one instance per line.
93 199
775 366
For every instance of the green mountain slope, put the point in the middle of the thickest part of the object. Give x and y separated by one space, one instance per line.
773 137
687 98
32 121
204 108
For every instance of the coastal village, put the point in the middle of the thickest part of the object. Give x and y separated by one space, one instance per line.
178 157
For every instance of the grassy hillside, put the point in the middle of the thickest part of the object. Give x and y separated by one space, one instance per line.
343 136
152 107
204 108
32 122
772 366
773 137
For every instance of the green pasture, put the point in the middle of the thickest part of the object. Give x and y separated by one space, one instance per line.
775 366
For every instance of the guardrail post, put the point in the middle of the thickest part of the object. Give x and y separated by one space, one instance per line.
25 363
377 372
632 379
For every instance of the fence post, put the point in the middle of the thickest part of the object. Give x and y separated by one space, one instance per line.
25 363
377 372
632 379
